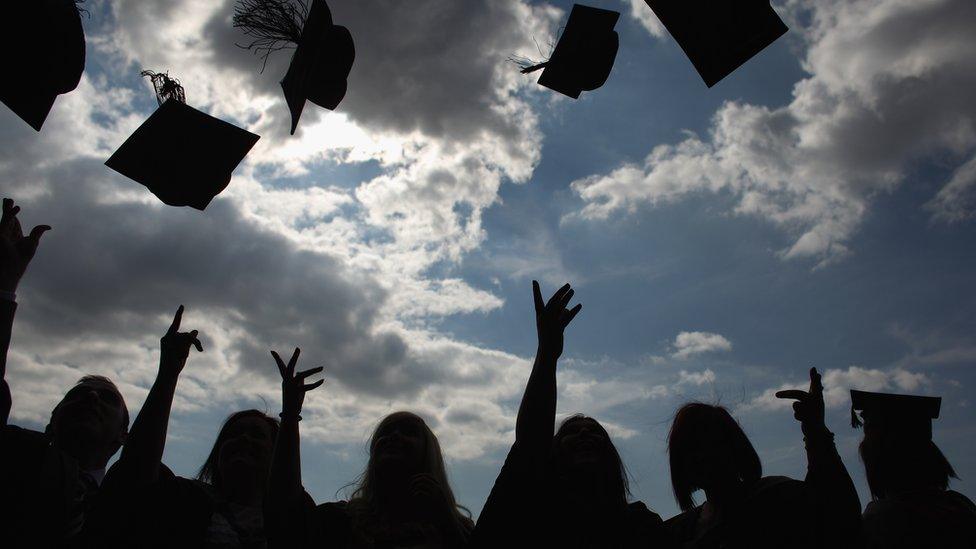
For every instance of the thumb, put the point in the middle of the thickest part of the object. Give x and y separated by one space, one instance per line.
36 232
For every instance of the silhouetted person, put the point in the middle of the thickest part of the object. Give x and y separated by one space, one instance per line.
708 450
568 490
49 480
145 505
402 499
912 506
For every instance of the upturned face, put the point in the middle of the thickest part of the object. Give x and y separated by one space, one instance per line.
399 445
582 443
710 459
246 448
91 415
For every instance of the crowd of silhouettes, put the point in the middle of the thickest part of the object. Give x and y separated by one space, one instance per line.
563 489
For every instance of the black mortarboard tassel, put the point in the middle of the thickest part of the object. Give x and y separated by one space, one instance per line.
719 35
184 157
584 54
910 415
51 58
324 52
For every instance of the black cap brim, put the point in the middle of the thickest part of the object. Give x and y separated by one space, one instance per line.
54 63
719 37
585 53
321 64
185 157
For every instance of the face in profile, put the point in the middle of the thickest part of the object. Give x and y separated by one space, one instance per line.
400 444
246 447
581 443
91 414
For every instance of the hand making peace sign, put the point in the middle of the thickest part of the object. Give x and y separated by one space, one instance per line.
293 386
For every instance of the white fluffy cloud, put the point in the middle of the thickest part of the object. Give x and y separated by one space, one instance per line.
689 344
342 270
838 384
890 84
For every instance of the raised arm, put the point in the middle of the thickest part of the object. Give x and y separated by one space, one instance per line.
835 497
537 412
284 505
16 252
143 450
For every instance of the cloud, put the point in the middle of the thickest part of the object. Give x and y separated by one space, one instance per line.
688 344
696 378
838 383
956 201
890 84
640 11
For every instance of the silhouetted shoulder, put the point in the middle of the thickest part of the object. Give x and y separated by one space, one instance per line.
335 523
774 508
921 518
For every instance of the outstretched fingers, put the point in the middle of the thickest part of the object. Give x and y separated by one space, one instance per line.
196 341
290 370
312 386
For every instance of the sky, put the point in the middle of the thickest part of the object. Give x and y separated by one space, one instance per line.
814 209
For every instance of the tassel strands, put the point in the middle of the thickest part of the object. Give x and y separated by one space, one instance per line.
273 24
166 87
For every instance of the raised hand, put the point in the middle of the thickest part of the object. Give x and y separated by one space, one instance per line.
293 386
174 347
551 319
809 406
16 250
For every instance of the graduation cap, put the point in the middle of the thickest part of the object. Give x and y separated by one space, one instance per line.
912 414
324 52
53 62
184 157
584 54
719 35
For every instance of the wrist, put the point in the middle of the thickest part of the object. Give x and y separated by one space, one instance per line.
289 416
816 431
6 295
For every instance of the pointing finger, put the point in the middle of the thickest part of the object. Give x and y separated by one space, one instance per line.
175 326
793 393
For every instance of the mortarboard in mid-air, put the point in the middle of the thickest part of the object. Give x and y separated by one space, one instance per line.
183 156
324 52
50 63
719 35
584 53
912 415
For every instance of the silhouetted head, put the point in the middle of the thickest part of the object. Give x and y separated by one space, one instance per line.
242 450
708 449
401 446
897 459
91 422
581 448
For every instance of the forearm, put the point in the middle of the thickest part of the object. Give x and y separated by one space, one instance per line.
143 450
7 310
537 412
838 505
285 482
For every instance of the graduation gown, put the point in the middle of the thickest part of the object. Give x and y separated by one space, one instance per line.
921 518
525 509
171 512
39 483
